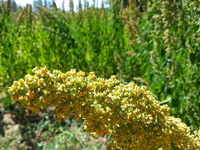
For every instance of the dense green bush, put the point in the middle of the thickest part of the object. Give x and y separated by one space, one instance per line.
166 44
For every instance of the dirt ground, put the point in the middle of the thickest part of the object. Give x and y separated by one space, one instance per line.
14 126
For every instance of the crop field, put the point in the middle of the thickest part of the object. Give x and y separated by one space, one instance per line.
152 43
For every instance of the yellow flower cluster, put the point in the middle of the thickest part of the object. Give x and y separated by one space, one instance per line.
128 112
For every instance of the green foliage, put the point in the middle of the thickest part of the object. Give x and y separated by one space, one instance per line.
68 134
4 142
166 46
75 138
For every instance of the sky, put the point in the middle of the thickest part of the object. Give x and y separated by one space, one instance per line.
58 2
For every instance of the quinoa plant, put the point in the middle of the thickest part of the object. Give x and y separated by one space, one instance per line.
129 113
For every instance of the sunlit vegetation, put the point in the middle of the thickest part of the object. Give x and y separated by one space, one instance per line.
153 43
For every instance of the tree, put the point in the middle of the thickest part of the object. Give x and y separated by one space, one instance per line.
37 3
13 5
45 3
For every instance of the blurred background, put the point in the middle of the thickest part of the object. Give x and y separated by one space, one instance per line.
155 43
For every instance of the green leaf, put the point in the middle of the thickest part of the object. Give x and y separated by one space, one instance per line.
165 101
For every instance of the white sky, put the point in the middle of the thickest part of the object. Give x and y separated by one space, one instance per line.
59 3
